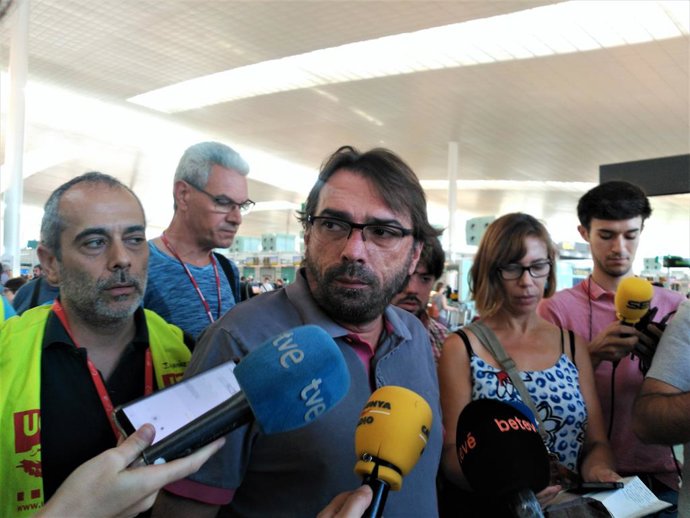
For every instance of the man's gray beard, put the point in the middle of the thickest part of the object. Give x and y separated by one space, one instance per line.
354 306
80 295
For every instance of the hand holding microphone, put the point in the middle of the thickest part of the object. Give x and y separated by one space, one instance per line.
617 339
391 435
350 504
105 486
632 300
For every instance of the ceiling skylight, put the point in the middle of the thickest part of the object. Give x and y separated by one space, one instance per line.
509 185
561 28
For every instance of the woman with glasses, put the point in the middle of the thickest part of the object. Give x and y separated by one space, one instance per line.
513 269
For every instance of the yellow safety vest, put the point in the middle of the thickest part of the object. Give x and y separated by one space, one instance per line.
21 345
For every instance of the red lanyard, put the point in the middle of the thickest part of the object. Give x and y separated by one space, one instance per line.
96 376
191 278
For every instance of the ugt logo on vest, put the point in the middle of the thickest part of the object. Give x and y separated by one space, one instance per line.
27 430
27 438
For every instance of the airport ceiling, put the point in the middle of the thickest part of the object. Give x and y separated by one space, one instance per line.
531 133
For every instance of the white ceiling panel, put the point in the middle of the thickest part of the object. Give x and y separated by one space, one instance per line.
554 118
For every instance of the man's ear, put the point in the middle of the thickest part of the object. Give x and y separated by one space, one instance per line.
583 232
416 254
49 263
181 192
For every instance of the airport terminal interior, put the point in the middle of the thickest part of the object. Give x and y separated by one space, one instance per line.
497 106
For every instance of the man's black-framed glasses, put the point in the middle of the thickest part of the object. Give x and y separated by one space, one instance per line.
512 272
224 204
328 228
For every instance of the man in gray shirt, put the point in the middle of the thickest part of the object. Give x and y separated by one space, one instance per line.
365 222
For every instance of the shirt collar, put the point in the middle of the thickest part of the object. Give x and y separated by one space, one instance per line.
55 333
593 290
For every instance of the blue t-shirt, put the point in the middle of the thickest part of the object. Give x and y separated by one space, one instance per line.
171 294
46 294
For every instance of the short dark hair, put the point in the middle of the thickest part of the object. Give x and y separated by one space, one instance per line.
614 201
504 243
433 257
15 283
52 224
394 180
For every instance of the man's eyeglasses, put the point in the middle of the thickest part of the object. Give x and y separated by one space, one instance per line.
328 228
512 272
226 205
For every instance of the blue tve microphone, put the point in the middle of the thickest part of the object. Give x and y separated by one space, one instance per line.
286 383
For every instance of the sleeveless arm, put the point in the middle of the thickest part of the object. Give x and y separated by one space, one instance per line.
456 392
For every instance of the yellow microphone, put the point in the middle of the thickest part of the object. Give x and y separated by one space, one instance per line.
632 299
391 435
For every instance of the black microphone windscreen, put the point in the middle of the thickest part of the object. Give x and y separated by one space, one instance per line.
500 449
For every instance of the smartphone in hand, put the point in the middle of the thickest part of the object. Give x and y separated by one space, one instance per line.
173 407
591 487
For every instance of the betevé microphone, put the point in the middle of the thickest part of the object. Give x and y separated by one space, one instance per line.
391 435
502 454
632 299
286 383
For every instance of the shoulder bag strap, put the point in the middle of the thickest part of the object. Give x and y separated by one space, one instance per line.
229 273
489 340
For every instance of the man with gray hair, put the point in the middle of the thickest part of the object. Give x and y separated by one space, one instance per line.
65 366
190 285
